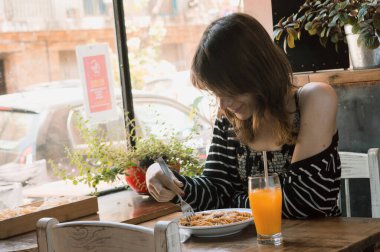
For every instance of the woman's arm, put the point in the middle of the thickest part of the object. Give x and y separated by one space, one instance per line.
219 183
312 182
318 108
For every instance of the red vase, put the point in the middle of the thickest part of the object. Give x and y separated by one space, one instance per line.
135 177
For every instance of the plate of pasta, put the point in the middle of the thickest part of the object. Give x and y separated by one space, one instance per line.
219 222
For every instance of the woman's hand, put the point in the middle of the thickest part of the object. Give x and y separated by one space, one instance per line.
161 187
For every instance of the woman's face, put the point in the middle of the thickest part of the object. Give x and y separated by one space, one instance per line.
242 106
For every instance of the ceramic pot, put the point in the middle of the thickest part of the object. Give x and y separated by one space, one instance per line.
361 57
135 177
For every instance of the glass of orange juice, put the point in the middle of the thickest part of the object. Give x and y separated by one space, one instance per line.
266 204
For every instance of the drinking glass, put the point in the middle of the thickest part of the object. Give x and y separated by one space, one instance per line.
266 204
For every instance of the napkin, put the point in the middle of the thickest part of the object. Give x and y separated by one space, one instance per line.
184 235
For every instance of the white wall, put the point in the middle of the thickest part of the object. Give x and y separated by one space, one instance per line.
262 11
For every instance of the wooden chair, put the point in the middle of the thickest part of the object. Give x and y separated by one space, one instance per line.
362 165
78 236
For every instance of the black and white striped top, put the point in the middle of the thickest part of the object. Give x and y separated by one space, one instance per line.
310 187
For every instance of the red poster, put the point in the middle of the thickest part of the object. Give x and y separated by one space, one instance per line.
97 83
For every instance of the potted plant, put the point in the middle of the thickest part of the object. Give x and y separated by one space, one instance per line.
332 21
180 158
108 161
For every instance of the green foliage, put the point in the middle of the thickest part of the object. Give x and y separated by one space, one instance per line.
184 156
96 160
326 20
175 151
102 160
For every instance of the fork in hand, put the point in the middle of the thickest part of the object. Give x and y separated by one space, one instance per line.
187 210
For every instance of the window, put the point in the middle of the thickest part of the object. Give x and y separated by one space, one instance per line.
39 87
15 128
162 38
39 78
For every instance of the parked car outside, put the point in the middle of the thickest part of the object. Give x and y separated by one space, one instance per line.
38 123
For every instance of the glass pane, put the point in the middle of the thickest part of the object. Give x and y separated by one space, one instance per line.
113 130
162 38
15 126
40 85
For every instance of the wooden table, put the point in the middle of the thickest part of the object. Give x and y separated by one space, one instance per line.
325 234
124 206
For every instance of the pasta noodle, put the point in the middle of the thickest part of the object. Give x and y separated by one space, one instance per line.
215 218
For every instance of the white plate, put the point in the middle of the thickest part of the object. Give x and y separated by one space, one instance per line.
221 230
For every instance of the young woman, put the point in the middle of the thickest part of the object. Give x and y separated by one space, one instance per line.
260 110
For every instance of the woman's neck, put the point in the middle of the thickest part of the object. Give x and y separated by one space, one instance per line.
265 137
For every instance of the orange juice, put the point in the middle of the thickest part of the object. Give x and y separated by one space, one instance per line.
266 206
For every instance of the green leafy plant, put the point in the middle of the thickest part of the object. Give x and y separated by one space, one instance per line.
102 160
173 150
326 19
94 161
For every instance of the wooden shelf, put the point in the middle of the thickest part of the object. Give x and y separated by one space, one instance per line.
339 77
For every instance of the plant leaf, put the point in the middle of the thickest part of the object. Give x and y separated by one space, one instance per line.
323 33
279 24
323 41
308 26
355 29
292 32
351 20
376 21
376 44
360 40
362 12
312 31
284 46
334 38
333 21
371 42
328 32
277 34
333 13
290 41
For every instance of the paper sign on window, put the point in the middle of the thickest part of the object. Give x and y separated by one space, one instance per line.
95 71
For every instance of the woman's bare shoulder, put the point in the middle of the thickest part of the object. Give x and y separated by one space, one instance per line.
318 92
318 104
317 97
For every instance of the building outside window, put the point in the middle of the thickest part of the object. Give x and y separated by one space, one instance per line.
39 78
94 7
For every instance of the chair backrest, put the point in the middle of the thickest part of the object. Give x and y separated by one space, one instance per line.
362 165
78 236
